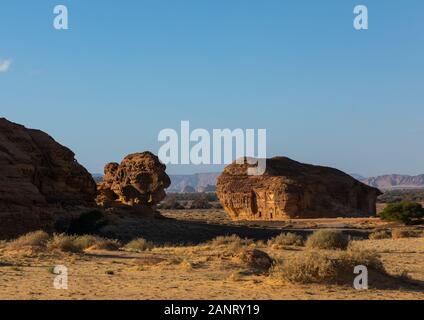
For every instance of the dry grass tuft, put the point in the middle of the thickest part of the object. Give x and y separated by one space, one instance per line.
254 259
403 233
186 265
139 245
286 239
325 266
327 239
232 243
64 243
36 239
105 244
378 235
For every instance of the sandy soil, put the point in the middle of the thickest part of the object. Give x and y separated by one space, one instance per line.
195 272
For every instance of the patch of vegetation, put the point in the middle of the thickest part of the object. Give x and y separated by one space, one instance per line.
254 259
64 243
96 243
378 235
181 201
404 233
33 239
200 203
405 212
286 239
139 245
171 204
328 239
334 267
403 195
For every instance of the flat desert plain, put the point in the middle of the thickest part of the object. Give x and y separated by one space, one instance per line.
209 269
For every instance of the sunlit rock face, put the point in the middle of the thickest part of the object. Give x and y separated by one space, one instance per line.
140 179
289 189
39 178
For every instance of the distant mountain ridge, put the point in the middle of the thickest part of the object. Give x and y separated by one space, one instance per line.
206 182
200 182
395 181
183 183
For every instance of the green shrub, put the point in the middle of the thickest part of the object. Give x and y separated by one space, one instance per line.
404 212
327 239
286 239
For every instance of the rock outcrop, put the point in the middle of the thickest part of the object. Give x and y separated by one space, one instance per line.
289 189
140 179
38 178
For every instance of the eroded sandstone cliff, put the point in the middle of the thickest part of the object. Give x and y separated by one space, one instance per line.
290 189
38 178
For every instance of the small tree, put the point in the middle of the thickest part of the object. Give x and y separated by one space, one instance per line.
404 212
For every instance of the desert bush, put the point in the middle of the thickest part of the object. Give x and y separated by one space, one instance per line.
64 243
171 203
403 233
254 259
200 203
325 266
32 239
229 240
85 241
377 235
232 243
327 239
87 223
405 212
139 244
286 239
96 243
106 244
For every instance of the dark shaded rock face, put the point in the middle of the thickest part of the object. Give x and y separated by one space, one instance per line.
38 177
290 189
140 179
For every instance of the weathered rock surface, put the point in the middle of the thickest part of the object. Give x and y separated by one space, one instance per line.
289 189
38 177
140 179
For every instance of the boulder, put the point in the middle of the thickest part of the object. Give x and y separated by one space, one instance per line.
38 178
139 180
290 189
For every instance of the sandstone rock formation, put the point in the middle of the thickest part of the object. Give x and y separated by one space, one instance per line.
140 179
289 189
38 178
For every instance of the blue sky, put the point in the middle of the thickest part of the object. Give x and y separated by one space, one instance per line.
326 93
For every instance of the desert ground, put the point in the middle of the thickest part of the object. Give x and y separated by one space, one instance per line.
208 269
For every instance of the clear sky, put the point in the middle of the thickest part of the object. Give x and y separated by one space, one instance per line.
326 93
